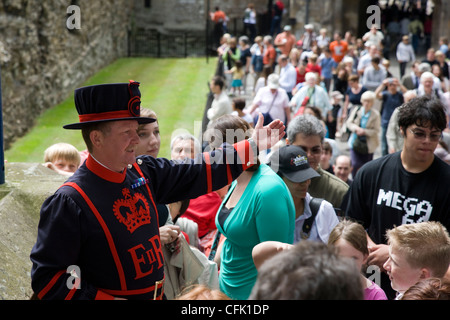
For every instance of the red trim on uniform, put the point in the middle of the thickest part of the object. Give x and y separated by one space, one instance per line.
74 289
109 238
138 169
105 116
208 171
50 284
103 296
105 173
245 153
71 293
136 291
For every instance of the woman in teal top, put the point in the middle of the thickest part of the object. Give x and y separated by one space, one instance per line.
258 207
265 211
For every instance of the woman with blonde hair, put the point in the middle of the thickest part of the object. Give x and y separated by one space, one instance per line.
365 123
149 136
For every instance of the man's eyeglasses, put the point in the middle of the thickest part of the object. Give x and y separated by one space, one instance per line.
313 150
420 135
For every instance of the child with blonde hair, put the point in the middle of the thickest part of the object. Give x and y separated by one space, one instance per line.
238 72
416 251
62 157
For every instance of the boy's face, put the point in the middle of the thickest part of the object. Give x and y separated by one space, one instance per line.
401 274
65 165
420 143
326 156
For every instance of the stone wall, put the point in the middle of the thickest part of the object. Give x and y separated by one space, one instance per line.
27 186
42 61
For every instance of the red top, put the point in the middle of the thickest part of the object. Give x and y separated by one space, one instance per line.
313 68
202 210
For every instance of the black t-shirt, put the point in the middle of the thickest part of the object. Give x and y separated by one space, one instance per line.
244 54
384 195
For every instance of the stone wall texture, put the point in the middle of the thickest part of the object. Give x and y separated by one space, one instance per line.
42 61
28 185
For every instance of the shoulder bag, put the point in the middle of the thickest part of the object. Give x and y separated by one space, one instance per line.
267 118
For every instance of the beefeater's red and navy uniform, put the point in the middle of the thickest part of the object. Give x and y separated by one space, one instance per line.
104 224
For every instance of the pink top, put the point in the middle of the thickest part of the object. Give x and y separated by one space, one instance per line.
374 292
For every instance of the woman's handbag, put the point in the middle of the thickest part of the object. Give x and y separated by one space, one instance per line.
267 117
345 132
360 145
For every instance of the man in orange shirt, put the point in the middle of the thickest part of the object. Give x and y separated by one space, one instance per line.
219 18
270 54
285 40
338 47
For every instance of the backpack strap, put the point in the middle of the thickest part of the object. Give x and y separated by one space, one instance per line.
314 205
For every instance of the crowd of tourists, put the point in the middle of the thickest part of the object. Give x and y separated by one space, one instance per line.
321 175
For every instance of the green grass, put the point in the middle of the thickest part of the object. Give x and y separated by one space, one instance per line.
175 89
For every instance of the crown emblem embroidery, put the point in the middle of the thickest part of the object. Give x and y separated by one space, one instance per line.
133 211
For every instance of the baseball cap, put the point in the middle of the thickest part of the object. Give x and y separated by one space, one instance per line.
292 162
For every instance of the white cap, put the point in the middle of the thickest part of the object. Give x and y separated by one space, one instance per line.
273 81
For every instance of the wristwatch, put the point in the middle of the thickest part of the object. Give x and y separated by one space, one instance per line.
253 145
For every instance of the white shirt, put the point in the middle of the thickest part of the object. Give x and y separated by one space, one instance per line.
221 105
373 38
405 52
322 41
322 226
251 17
364 62
264 98
288 77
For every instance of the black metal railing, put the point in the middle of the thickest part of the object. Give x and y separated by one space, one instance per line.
152 43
